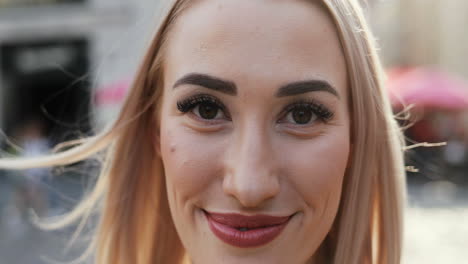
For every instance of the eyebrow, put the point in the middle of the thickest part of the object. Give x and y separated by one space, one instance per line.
301 87
209 82
229 87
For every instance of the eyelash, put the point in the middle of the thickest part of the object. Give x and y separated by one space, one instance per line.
190 103
322 112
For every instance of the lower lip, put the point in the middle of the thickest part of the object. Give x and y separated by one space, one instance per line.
245 239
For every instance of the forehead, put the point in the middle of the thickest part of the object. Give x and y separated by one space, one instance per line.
261 41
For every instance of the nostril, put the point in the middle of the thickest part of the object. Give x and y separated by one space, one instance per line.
251 183
253 195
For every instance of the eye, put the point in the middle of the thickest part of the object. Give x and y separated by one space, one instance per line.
207 110
306 112
301 115
204 106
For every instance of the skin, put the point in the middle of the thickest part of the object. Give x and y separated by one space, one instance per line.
258 160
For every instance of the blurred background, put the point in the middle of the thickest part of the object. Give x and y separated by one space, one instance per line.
65 66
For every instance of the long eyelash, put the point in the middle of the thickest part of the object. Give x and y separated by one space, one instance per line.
188 104
322 112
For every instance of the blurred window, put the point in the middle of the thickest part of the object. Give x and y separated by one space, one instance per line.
46 80
14 3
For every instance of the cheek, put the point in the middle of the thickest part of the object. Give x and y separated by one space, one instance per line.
316 168
191 161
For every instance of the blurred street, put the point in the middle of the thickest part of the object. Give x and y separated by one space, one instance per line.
66 66
23 243
436 230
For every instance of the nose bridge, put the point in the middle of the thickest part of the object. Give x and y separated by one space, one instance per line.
254 145
252 174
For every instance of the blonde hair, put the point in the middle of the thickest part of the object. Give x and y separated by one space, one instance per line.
136 226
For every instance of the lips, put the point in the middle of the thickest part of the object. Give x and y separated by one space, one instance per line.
246 231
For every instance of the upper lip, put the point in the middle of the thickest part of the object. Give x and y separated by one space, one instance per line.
247 221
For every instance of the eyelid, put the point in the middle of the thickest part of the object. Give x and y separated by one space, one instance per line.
191 102
322 112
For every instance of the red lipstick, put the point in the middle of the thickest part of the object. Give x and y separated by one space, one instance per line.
246 231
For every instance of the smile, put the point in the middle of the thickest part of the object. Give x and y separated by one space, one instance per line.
246 231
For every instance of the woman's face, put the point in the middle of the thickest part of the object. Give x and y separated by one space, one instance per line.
254 129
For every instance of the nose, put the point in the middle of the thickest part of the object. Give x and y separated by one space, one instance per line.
251 169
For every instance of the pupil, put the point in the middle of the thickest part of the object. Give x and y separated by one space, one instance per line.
302 116
208 111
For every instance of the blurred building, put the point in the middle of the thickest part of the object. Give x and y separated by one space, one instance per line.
54 54
422 32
